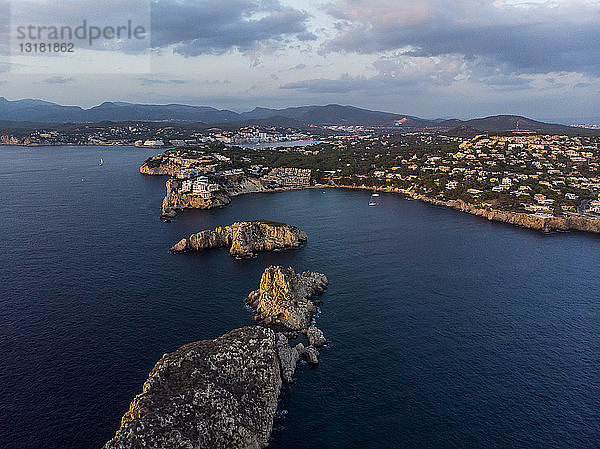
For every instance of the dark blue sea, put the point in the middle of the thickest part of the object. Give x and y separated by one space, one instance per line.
446 330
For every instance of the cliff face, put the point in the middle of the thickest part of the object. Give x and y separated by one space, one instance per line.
175 200
244 238
218 393
244 185
161 165
283 298
529 221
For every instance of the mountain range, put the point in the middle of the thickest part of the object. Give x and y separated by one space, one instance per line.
39 111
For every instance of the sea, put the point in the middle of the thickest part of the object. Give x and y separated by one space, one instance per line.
446 330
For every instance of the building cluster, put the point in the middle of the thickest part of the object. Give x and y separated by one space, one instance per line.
541 174
148 135
199 186
252 135
287 177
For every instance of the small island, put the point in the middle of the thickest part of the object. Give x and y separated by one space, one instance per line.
244 238
283 298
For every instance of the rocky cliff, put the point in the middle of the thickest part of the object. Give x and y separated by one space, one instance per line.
175 200
244 238
161 165
574 223
283 298
223 393
218 393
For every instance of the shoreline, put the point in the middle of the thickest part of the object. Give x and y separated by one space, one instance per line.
519 219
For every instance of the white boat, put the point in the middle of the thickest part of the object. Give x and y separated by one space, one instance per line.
372 201
101 162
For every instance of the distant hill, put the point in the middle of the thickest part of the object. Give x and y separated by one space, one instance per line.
334 114
498 123
38 111
46 112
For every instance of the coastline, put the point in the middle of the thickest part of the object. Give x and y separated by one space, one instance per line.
519 219
529 221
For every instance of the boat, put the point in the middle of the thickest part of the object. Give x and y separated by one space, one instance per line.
372 200
101 162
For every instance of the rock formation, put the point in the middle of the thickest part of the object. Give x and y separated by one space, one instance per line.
308 353
288 357
223 393
283 299
161 165
218 393
315 337
244 238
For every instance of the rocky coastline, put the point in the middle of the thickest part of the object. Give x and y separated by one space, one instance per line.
175 200
245 238
161 166
529 221
223 393
219 393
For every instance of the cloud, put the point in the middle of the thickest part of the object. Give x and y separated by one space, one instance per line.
298 67
207 27
58 80
400 73
4 28
154 81
526 38
342 85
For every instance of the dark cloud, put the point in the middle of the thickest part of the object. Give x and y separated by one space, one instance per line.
537 38
208 27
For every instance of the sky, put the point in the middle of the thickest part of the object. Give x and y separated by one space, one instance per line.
429 58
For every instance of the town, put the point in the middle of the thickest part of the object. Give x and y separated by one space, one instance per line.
149 135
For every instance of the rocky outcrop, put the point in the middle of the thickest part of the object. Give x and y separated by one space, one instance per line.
543 224
244 238
283 298
218 393
288 357
315 337
161 165
309 353
175 200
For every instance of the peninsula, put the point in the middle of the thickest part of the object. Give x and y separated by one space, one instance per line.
245 238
